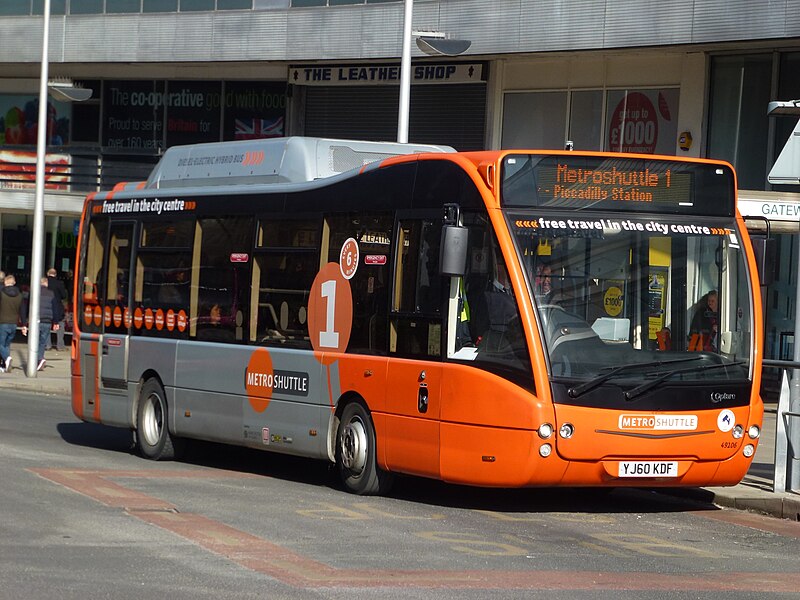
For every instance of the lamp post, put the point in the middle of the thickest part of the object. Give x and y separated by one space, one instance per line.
62 90
430 42
786 170
405 75
38 205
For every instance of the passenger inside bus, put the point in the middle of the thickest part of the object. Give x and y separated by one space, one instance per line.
703 332
174 290
212 328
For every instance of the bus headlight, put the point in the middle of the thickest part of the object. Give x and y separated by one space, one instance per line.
566 431
738 432
748 450
545 450
754 432
545 430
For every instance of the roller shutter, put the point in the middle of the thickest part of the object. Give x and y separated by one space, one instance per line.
440 114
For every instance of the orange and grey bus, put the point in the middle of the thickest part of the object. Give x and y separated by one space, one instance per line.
501 318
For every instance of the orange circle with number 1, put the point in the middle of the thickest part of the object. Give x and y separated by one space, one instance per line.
330 311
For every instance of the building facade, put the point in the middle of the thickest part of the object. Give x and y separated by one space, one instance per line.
677 77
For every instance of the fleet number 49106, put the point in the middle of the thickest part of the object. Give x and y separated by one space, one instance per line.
648 469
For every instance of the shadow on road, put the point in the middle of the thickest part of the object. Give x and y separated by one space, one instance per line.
411 489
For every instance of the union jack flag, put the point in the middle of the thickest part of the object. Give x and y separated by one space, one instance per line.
253 129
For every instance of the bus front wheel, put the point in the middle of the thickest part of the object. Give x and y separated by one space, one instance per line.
153 438
356 456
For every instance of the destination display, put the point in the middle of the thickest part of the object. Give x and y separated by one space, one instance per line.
624 184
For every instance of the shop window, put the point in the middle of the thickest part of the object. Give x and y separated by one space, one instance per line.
196 5
234 4
643 121
86 7
123 6
20 7
586 119
57 7
788 89
738 122
159 6
534 120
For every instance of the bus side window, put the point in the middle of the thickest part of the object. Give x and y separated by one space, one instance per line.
118 272
93 292
370 283
495 326
284 267
419 291
219 300
163 270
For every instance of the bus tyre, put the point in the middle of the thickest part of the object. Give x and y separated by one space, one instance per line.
356 456
153 438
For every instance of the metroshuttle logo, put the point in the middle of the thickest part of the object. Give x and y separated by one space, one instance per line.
658 422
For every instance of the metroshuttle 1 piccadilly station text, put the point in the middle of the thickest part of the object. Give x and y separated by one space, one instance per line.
605 184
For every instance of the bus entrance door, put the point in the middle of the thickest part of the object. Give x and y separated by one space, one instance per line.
116 320
413 393
112 362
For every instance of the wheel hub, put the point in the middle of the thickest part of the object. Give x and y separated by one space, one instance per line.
354 446
152 421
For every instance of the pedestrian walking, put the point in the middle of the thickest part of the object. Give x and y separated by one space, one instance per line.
55 285
10 310
46 306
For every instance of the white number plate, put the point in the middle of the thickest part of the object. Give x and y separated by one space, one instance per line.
650 468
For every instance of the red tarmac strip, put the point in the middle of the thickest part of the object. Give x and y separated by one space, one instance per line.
293 569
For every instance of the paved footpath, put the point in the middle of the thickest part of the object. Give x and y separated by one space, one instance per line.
753 493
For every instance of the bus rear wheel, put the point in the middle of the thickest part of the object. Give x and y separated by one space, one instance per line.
356 455
153 439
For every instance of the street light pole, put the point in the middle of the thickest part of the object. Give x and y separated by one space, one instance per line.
405 76
38 206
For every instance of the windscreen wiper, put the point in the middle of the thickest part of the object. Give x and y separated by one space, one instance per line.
645 387
581 389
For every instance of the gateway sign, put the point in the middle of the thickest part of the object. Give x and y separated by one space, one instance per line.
774 210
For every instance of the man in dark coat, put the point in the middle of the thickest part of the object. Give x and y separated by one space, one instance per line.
55 285
46 305
10 307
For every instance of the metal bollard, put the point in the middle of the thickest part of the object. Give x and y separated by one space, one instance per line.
792 417
787 436
781 447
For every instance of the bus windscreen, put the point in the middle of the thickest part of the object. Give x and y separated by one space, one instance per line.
618 183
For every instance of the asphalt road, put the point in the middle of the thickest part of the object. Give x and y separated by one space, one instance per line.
84 517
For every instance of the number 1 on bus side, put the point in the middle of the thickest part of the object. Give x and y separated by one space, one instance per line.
330 337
